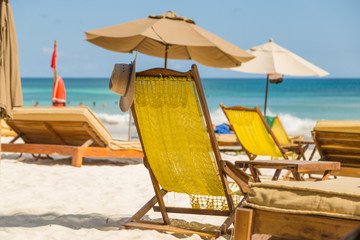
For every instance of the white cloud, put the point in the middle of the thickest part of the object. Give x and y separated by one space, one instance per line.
47 50
177 66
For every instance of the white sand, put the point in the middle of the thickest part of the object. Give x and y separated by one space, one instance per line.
50 199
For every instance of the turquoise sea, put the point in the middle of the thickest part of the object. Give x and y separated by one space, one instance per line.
299 102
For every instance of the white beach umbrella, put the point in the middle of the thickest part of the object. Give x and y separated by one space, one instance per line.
270 59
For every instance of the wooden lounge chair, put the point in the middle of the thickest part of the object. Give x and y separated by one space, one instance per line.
256 136
326 210
181 152
339 141
73 131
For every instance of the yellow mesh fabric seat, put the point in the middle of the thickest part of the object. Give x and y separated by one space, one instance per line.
279 131
180 149
252 133
174 135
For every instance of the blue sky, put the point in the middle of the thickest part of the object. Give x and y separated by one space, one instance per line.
324 32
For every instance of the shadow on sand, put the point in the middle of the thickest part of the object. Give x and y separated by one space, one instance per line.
57 160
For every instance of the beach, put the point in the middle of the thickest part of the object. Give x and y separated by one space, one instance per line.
50 199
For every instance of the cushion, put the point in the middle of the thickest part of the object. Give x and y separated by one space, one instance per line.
338 126
334 198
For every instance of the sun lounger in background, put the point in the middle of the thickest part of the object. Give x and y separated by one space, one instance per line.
181 152
339 141
256 136
73 131
225 137
325 210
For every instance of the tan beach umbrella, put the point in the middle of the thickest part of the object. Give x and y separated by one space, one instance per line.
10 83
271 59
169 36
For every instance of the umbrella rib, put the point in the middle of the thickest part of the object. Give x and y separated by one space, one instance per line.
226 55
187 52
152 27
230 57
139 44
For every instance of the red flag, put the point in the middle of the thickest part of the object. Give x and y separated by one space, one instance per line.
53 60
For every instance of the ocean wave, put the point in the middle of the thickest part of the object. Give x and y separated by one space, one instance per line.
292 124
113 119
295 125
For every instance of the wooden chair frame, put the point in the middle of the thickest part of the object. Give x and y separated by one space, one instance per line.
225 169
250 221
299 148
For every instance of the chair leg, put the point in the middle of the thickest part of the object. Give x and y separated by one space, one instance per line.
243 224
160 199
77 157
276 174
139 214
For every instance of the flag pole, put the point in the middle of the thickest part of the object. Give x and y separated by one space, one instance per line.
53 62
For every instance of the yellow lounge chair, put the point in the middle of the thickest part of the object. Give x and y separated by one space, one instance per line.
256 136
339 141
73 131
180 148
279 131
326 210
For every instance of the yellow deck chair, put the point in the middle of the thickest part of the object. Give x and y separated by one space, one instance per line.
256 136
281 134
180 150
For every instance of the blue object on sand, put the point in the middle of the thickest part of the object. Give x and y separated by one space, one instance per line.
223 129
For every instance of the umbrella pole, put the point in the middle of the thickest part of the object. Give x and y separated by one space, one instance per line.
266 93
166 54
129 132
0 138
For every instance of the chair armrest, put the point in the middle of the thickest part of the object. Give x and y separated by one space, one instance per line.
293 138
304 142
240 177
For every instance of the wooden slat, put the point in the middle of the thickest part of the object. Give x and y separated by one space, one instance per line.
338 135
194 211
347 171
343 159
168 228
54 133
93 135
243 224
298 226
107 152
38 148
341 150
77 153
300 166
